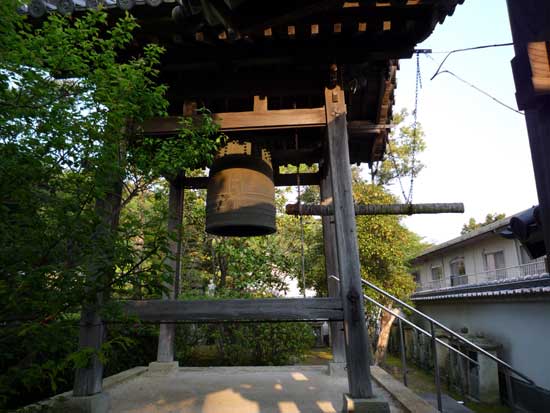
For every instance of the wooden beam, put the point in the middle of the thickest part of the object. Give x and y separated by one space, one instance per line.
245 121
311 178
296 156
234 121
378 209
349 268
280 180
204 311
539 59
271 119
295 14
356 127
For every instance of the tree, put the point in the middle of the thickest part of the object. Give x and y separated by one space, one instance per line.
472 224
385 248
385 244
71 161
404 144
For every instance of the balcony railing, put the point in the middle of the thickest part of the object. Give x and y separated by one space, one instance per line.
519 271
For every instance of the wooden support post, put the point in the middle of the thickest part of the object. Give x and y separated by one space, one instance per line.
88 380
167 334
530 23
355 329
331 266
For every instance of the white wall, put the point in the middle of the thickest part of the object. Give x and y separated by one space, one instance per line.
522 328
473 257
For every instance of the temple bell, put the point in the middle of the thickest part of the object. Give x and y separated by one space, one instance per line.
240 200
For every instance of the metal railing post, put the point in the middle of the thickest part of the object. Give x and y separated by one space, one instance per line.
436 368
434 341
509 390
403 352
448 330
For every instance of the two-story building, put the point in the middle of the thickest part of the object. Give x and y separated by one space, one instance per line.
488 288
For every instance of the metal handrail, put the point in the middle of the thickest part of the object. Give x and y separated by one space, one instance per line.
507 368
448 330
396 315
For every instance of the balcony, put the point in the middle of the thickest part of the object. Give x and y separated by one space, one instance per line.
534 268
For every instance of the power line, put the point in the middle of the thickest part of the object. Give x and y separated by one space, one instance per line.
427 52
487 46
482 91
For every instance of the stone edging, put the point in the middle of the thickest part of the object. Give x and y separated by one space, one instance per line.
409 400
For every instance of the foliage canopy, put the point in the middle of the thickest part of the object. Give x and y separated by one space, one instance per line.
70 108
472 224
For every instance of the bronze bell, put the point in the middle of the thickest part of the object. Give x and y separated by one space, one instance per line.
240 200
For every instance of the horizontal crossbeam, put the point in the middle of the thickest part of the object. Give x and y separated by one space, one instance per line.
310 178
245 121
258 120
378 209
205 311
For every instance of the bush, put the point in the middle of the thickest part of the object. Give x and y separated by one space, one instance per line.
33 366
138 346
243 344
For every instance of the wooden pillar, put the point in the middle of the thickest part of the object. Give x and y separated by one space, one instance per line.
331 266
355 329
530 23
88 381
167 334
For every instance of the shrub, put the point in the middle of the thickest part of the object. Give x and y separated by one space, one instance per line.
243 344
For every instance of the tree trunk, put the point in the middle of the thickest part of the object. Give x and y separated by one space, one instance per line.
386 321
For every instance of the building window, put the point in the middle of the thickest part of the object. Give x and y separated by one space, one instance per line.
458 272
494 264
437 272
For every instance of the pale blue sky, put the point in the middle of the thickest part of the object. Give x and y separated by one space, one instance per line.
477 151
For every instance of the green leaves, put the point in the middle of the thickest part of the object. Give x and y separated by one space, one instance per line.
193 148
404 144
385 245
472 224
69 106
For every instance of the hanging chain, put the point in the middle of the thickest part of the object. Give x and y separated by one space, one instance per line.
392 158
414 143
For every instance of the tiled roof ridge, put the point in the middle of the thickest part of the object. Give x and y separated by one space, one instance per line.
477 294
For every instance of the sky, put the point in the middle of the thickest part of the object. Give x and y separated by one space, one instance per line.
477 151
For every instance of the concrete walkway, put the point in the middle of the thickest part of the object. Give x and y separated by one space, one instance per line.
292 389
